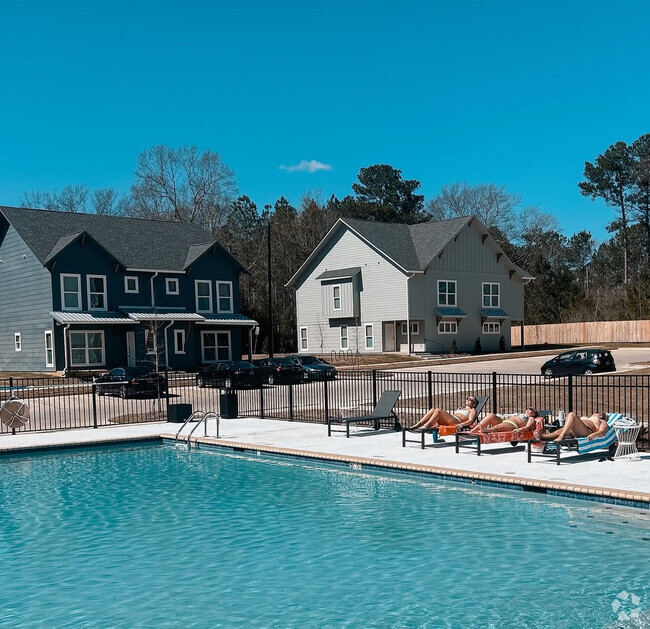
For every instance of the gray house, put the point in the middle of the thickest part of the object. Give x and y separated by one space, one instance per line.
85 291
383 287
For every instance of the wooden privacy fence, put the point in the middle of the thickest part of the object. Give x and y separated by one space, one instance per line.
585 332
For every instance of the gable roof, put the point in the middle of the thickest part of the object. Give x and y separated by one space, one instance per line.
136 243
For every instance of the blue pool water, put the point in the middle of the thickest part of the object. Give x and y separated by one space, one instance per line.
154 536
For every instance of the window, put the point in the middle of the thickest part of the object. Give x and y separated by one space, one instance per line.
336 294
96 292
87 349
171 286
131 284
70 291
49 349
203 295
303 338
370 342
446 292
491 328
215 346
344 337
18 342
415 327
447 327
224 297
179 341
490 295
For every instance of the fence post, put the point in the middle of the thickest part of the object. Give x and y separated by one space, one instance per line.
429 389
494 392
327 403
290 402
262 402
374 387
11 386
167 395
570 393
94 390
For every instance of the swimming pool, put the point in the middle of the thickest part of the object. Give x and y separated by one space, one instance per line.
158 536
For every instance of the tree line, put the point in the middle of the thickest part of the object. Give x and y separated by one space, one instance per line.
576 279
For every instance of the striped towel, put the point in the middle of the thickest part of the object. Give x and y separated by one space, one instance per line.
604 441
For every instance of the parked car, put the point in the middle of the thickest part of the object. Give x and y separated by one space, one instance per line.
315 368
283 370
230 374
581 361
130 381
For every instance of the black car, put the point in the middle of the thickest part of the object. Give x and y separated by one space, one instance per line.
315 368
283 370
130 381
230 374
580 361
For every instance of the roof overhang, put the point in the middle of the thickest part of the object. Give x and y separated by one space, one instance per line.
227 319
160 314
449 312
494 313
67 317
339 274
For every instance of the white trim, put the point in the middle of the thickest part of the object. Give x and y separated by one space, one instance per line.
209 296
18 342
451 325
366 336
171 280
230 298
490 295
85 348
46 334
126 283
344 336
334 297
494 325
216 346
78 293
177 349
104 293
447 293
301 346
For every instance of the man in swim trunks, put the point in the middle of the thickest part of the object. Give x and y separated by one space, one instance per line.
517 422
574 426
460 417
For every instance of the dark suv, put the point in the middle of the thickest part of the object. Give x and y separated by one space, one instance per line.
580 361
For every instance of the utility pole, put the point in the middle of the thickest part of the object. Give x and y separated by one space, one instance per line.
268 244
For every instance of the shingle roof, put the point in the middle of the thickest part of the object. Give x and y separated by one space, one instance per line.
135 242
413 247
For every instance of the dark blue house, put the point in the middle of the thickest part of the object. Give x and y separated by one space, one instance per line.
87 291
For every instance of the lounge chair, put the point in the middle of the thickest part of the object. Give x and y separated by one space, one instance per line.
440 430
385 409
582 444
476 439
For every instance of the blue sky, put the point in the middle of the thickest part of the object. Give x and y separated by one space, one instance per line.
511 93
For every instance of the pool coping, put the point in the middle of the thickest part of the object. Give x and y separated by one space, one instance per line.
635 499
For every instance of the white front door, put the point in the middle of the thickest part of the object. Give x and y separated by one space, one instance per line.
130 349
389 336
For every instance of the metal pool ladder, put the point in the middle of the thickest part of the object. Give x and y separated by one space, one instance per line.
202 419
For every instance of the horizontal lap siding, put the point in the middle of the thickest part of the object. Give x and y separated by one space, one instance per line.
26 301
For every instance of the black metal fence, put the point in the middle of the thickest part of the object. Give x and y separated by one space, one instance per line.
65 403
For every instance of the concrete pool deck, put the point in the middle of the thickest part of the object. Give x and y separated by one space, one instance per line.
499 463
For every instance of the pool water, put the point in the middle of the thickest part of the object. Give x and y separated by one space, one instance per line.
156 536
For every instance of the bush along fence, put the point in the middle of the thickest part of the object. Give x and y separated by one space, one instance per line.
65 403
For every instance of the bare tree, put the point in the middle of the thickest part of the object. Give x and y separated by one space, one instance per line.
69 199
181 184
105 201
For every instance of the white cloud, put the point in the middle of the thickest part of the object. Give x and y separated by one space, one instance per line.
310 167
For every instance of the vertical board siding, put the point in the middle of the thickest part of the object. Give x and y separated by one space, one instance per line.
585 332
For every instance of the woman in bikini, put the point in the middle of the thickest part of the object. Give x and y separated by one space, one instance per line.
574 426
460 417
508 423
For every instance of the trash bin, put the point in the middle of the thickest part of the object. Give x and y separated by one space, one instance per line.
178 413
228 404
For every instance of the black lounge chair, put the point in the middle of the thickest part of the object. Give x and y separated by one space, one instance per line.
385 409
421 432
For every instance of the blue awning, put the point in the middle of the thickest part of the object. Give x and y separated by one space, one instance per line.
450 312
494 313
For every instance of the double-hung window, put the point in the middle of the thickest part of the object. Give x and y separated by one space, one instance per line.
70 291
336 297
87 348
344 337
490 295
224 297
303 339
447 293
203 295
370 340
96 292
171 286
49 349
18 342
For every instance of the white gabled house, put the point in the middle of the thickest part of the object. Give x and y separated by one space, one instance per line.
385 287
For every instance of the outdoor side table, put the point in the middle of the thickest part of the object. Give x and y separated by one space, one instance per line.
627 435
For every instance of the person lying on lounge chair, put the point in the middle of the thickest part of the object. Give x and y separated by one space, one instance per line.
460 417
508 423
574 426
